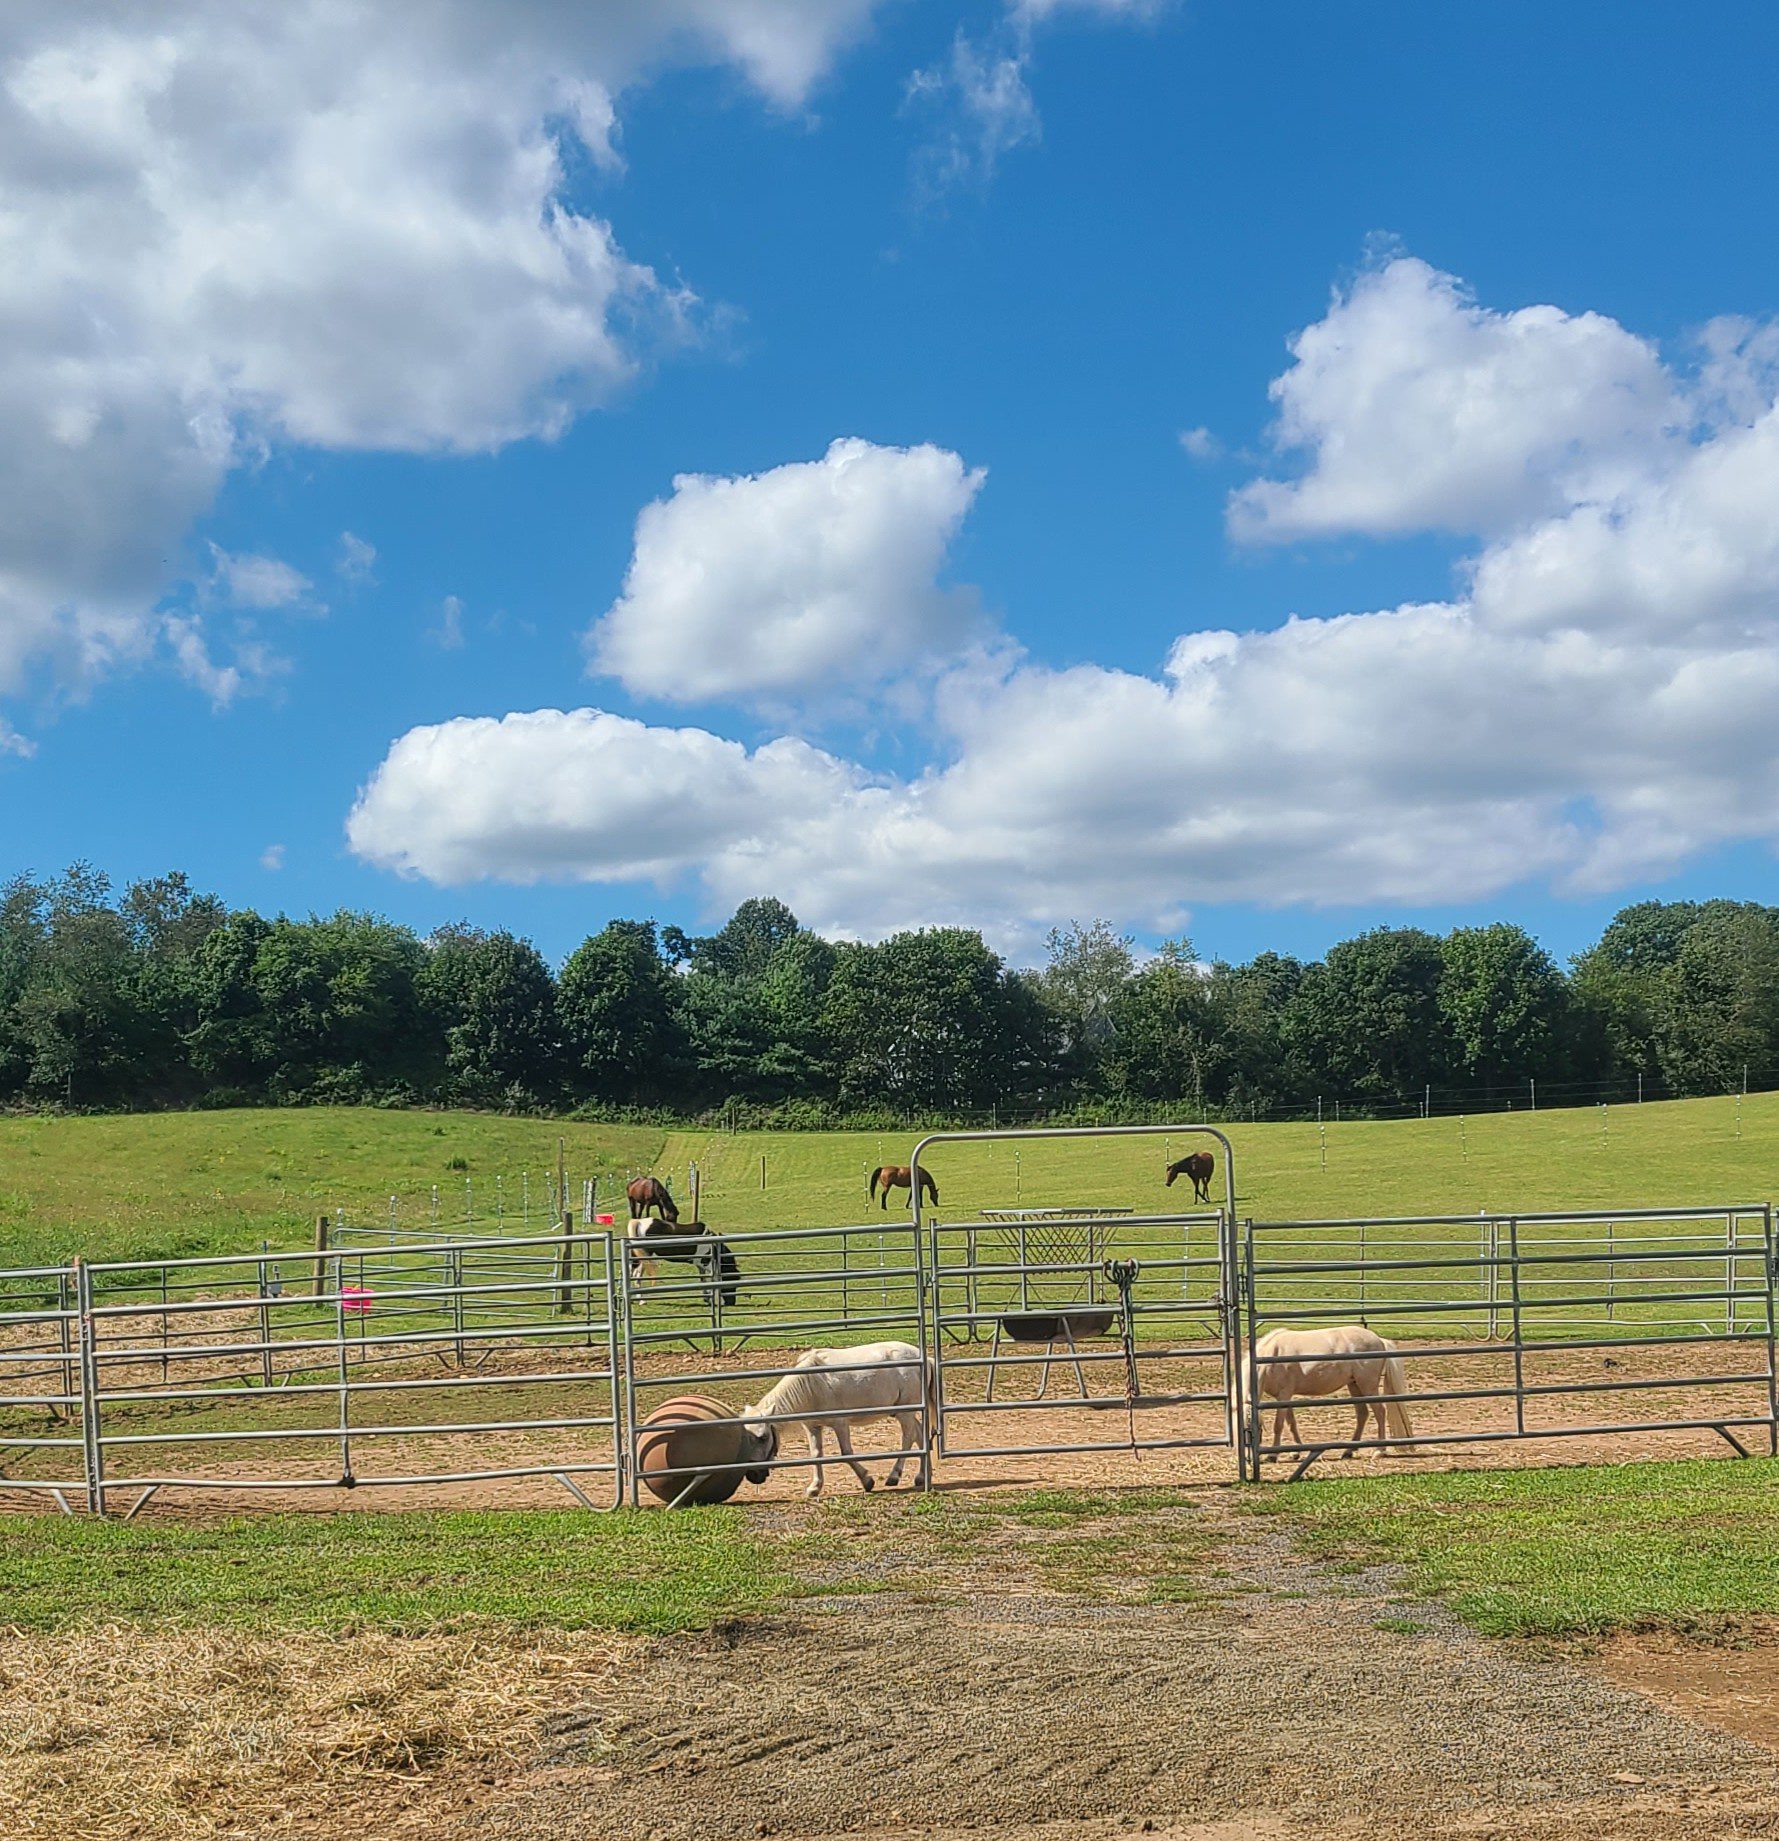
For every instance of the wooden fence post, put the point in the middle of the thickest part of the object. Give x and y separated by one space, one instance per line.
321 1256
565 1262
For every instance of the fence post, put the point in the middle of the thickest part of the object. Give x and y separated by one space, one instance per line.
1519 1340
1729 1275
344 1348
265 1321
321 1256
565 1264
65 1341
1241 1340
454 1270
92 1445
613 1367
1767 1273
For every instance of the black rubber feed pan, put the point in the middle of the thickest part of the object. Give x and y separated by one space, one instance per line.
1057 1325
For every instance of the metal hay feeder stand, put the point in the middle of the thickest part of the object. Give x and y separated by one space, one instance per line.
688 1451
1059 1248
1050 1328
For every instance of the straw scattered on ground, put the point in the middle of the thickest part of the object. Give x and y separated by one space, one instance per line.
150 1733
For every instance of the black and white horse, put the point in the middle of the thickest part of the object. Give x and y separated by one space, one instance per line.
687 1243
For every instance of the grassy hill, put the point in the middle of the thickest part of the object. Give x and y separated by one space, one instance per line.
174 1183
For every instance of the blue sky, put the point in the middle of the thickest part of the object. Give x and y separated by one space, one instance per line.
1087 229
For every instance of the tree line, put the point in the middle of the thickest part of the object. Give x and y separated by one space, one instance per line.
160 995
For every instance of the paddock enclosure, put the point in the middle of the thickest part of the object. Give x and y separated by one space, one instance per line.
1064 1344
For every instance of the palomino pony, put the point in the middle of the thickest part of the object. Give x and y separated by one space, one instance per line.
1200 1166
1308 1364
899 1176
650 1192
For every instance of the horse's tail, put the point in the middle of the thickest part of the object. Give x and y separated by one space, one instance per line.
1396 1386
871 1191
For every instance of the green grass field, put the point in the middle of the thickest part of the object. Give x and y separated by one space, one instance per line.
406 1571
162 1185
1692 1544
1564 1552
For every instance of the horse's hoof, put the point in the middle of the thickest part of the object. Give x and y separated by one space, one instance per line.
869 1486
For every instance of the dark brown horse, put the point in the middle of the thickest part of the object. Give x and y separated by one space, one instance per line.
650 1192
1200 1166
898 1176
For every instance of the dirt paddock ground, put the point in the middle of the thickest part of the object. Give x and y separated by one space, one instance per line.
1277 1708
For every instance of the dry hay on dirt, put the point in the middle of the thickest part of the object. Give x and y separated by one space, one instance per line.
155 1734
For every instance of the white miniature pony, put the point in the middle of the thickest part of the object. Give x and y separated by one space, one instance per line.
1323 1362
841 1388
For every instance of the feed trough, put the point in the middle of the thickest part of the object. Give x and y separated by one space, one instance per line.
681 1445
1056 1325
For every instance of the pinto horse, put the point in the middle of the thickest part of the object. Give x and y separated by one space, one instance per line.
690 1243
898 1176
650 1192
1200 1166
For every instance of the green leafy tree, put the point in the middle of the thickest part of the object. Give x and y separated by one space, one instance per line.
1165 1043
619 1012
743 947
931 1019
1249 1005
78 1015
1719 1010
493 1003
1086 970
1619 983
22 929
794 990
1505 1005
341 1011
1367 1019
230 1041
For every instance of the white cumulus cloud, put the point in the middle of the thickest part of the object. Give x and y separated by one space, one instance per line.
808 579
331 222
582 795
1419 409
1592 706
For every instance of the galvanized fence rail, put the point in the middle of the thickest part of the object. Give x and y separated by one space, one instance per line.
189 1364
1498 1327
1137 1324
793 1289
471 1358
43 1431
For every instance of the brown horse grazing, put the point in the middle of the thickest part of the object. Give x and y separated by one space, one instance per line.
1201 1166
650 1192
898 1176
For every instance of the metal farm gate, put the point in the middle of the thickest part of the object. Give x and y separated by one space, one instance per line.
1601 1325
427 1364
1050 1330
1059 1330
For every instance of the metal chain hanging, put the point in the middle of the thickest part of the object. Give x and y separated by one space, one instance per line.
1122 1274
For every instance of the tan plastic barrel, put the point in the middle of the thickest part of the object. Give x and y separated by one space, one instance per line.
678 1440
